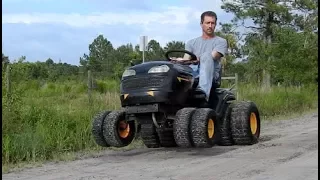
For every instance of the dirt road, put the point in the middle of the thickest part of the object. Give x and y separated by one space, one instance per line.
288 150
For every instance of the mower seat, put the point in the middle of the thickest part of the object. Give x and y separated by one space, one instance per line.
195 83
220 90
199 94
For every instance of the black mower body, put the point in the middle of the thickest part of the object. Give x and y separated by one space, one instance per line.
162 103
166 91
171 87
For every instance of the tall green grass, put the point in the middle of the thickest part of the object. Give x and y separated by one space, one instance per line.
280 100
43 120
48 119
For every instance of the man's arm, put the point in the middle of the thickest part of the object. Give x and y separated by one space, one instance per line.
220 50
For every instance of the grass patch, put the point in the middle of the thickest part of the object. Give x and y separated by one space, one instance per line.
52 121
281 100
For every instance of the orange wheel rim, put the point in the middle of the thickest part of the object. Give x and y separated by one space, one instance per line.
123 129
253 123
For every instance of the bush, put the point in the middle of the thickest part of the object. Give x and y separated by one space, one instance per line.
104 86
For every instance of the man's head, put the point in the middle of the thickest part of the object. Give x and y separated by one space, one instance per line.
208 22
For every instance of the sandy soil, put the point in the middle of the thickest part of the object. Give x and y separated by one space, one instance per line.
288 150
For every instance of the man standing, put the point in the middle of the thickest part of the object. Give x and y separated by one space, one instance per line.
209 49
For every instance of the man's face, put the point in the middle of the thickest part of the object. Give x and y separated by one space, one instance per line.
208 25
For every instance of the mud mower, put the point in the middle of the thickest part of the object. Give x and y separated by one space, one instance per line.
163 106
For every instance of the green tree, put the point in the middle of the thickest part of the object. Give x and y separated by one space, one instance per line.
228 32
49 62
295 62
265 14
5 62
175 45
307 19
101 55
123 54
5 59
272 19
154 51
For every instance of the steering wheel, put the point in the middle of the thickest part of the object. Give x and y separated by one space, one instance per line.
193 56
193 59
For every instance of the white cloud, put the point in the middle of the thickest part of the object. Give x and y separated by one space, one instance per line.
167 24
58 31
171 15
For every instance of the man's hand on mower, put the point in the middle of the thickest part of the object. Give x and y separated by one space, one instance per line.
185 61
181 59
194 61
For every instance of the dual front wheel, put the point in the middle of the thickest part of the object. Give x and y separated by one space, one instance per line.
111 129
195 128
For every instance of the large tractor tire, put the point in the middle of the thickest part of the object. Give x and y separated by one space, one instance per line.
245 123
225 128
149 135
97 128
204 129
117 131
166 138
181 127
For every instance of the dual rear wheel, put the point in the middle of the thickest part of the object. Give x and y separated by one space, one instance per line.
195 128
245 123
200 127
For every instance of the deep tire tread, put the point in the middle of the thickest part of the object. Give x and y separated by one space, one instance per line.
240 124
199 128
181 128
166 138
110 130
149 135
225 128
97 128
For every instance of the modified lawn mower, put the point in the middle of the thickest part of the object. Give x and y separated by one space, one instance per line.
161 102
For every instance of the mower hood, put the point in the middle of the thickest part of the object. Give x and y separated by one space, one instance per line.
144 68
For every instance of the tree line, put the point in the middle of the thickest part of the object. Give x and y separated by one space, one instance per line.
281 47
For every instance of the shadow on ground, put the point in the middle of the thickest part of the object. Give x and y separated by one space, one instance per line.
178 152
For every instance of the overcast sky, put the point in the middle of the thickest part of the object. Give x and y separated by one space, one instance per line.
63 29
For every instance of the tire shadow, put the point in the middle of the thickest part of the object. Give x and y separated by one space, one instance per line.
177 152
270 137
185 152
213 151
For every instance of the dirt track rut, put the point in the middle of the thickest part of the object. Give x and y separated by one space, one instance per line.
288 150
